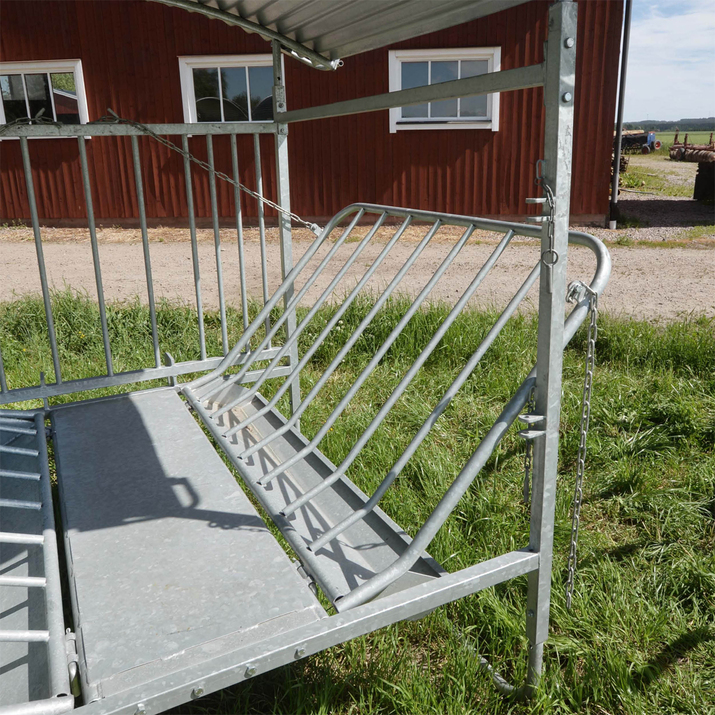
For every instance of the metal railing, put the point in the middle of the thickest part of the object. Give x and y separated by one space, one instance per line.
305 274
10 393
32 457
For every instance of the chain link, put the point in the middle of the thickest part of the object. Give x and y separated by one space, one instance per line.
550 257
585 418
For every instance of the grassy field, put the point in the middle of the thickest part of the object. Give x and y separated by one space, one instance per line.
641 636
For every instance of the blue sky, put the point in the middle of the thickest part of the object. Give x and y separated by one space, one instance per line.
671 66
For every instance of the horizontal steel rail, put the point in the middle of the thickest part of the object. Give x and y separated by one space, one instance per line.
504 81
113 129
68 387
24 636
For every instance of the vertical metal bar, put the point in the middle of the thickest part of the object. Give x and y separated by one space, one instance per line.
217 242
3 381
145 244
95 253
239 231
613 215
194 246
40 257
284 227
261 223
558 140
59 677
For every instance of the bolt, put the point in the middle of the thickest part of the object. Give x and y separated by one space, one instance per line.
300 653
250 671
567 96
569 42
141 709
530 613
197 692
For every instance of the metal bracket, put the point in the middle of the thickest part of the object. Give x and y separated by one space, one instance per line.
531 421
72 661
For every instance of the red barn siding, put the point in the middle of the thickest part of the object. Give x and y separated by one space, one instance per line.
129 51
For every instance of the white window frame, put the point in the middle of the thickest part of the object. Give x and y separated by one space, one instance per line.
45 67
187 64
396 57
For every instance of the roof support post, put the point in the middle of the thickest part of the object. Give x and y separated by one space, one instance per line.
560 56
283 200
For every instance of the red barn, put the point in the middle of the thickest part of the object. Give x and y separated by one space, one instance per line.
158 64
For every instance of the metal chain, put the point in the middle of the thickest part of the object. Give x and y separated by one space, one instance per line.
529 451
585 418
550 257
113 118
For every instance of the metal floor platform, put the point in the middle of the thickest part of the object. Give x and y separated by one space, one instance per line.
169 563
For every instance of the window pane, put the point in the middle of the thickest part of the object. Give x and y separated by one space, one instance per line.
415 74
474 106
38 94
208 103
444 72
64 95
260 80
13 96
235 94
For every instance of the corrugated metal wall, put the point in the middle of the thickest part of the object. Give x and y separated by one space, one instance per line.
129 53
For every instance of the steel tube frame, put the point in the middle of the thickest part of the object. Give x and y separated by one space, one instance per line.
217 241
95 252
559 91
262 225
404 382
116 129
506 80
57 655
27 168
284 227
350 342
136 161
290 307
239 230
194 246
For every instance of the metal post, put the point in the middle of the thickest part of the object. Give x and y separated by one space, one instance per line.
283 200
194 245
239 231
613 213
40 257
95 253
558 140
217 242
145 246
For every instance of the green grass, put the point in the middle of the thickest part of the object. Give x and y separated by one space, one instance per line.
641 636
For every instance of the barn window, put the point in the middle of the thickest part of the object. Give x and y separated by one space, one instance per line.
56 89
229 88
417 68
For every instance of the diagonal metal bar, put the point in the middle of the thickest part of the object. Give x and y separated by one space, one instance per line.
217 241
327 329
239 230
433 417
294 302
349 343
27 168
261 222
145 246
367 371
84 170
194 246
406 380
